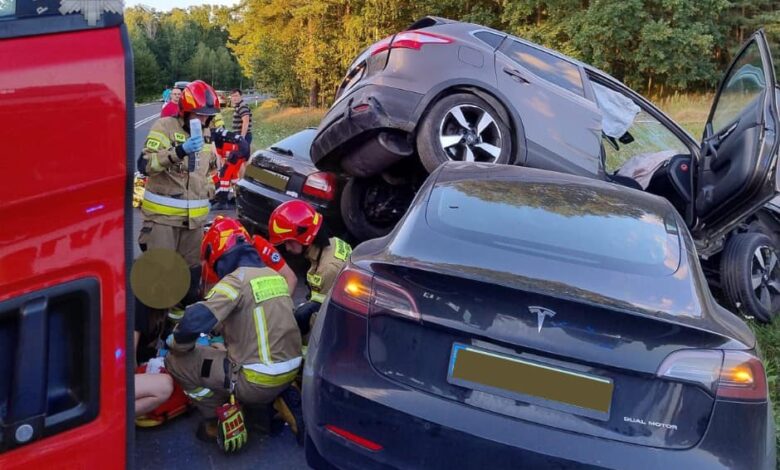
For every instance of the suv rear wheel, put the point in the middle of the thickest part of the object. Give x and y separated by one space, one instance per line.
750 275
370 207
463 127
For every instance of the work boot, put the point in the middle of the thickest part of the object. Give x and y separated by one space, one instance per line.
207 430
288 405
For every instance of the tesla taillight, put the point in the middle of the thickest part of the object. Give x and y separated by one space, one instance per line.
408 40
321 185
360 292
742 377
353 290
729 374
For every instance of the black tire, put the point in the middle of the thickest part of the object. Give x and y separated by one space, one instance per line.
370 207
752 289
438 121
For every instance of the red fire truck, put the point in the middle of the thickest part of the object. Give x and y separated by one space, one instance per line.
66 114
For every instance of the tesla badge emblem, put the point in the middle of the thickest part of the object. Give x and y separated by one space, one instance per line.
541 312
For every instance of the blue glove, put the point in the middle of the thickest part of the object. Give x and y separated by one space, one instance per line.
192 145
169 341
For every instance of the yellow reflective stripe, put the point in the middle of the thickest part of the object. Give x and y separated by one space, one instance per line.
265 380
176 313
163 210
223 289
276 368
317 297
314 280
162 138
155 164
174 211
261 328
268 287
343 250
199 393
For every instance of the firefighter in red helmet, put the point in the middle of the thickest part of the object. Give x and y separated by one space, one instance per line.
250 306
176 200
300 228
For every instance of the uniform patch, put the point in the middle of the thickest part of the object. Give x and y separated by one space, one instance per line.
343 250
153 144
268 287
179 137
314 280
276 257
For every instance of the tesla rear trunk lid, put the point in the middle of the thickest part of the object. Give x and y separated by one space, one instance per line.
534 357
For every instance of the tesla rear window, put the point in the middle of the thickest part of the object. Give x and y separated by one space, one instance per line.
573 222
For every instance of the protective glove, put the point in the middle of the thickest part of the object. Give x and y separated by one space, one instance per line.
231 429
169 341
268 253
192 145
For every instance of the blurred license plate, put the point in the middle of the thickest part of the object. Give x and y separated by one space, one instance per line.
268 178
529 381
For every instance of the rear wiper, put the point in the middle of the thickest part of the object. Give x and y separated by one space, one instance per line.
283 151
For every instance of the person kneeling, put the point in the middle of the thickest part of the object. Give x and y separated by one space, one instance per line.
250 306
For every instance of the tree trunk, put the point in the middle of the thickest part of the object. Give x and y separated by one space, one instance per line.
314 94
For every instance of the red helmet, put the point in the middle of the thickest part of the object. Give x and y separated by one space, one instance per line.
294 220
198 97
223 235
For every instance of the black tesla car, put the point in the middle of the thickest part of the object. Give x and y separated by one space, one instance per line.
451 91
282 172
519 318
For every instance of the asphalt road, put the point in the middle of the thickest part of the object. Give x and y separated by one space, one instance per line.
173 445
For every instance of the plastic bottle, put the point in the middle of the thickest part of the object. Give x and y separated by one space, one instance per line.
195 131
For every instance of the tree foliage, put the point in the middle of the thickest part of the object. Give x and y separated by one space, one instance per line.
300 49
182 45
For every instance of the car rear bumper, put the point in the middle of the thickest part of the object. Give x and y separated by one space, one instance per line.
363 113
421 430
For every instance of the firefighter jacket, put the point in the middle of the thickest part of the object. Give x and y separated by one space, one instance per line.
174 195
252 309
326 262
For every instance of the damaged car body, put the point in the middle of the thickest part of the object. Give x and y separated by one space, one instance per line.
451 91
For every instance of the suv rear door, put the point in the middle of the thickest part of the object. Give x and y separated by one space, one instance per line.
736 170
66 112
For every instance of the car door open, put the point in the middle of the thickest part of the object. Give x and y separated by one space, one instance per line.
739 146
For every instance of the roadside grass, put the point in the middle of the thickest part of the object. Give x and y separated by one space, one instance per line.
768 337
271 122
688 110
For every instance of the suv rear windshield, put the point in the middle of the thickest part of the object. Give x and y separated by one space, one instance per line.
570 222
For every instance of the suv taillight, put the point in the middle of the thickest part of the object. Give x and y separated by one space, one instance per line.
321 185
361 292
408 40
733 375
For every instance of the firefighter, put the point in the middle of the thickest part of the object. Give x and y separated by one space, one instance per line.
175 204
251 308
300 228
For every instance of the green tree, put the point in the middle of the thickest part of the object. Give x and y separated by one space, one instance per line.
147 71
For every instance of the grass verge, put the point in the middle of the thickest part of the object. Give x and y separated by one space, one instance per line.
271 123
768 337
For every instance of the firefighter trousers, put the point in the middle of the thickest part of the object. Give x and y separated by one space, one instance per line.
204 374
183 240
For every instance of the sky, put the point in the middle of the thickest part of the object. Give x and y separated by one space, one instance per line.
167 5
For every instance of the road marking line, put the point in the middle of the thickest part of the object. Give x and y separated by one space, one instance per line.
145 120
